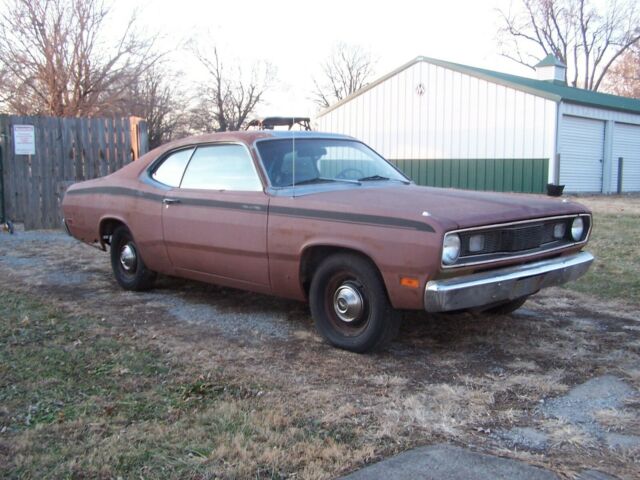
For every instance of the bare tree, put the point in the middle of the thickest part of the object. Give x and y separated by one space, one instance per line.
228 98
158 97
624 76
587 39
345 71
56 61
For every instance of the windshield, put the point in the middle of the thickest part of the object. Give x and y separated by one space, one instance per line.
321 160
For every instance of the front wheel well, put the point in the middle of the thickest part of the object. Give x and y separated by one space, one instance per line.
313 256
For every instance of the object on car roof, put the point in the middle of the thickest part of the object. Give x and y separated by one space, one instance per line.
269 123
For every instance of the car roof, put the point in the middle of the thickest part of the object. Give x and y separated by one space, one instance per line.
247 137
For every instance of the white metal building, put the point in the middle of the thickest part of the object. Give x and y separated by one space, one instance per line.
454 125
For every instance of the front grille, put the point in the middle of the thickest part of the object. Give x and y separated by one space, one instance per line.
515 239
512 239
521 238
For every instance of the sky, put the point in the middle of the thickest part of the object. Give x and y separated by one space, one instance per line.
296 36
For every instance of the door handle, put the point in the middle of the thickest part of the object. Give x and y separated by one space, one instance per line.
170 201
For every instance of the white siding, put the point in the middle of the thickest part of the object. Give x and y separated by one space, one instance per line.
457 116
626 144
601 114
581 146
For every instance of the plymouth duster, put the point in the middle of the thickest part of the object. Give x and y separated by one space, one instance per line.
323 218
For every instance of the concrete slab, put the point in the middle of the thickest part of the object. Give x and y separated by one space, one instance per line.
579 405
622 442
594 475
526 438
447 462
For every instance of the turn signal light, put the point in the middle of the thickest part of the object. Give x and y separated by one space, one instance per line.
409 282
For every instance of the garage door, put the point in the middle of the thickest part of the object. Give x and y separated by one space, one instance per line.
626 144
581 152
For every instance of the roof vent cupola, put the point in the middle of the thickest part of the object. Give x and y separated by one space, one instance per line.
551 69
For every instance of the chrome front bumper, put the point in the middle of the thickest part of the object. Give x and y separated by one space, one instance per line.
494 286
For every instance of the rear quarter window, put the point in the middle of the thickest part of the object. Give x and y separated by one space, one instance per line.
222 167
171 169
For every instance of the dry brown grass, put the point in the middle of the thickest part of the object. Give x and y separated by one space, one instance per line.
563 435
619 420
611 204
443 409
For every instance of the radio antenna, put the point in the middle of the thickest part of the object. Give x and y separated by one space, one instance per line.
293 161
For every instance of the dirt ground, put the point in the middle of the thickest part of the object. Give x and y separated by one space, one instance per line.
612 204
465 379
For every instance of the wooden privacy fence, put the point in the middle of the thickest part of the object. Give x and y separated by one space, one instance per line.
67 150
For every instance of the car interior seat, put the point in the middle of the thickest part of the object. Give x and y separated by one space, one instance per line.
305 169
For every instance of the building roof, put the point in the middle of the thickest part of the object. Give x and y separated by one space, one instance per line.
550 61
555 91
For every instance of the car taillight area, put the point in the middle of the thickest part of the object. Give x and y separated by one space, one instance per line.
514 239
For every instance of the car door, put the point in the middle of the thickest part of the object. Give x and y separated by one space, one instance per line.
215 222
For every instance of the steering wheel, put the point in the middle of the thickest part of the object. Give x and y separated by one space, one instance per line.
347 171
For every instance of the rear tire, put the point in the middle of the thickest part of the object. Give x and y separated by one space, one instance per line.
128 268
507 307
349 304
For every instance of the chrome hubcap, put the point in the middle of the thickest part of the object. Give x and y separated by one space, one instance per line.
128 257
348 303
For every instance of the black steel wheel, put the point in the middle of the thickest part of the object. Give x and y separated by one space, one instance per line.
350 306
128 268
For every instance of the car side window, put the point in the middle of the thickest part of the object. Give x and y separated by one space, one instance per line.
222 167
171 169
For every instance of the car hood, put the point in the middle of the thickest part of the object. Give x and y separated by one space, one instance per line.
443 207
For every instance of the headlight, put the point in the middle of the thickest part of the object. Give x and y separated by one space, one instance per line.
451 248
577 229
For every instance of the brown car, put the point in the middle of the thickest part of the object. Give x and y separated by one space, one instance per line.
324 218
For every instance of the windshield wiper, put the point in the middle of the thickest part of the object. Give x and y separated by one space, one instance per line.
309 181
373 178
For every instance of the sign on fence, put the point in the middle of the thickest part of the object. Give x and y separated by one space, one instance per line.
42 156
24 139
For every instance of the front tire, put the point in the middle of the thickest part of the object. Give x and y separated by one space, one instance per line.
349 304
128 268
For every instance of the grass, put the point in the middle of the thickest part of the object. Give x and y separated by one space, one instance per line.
615 274
81 398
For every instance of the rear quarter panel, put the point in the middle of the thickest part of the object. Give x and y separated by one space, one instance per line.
138 206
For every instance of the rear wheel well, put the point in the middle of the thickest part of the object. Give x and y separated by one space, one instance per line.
107 227
312 257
